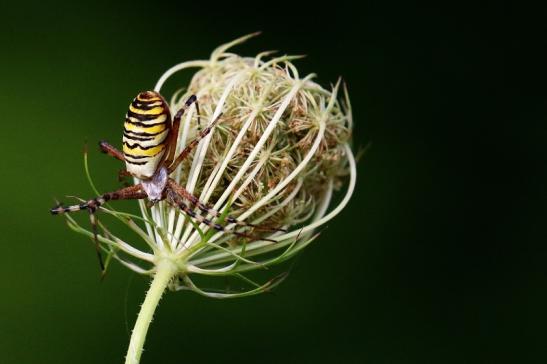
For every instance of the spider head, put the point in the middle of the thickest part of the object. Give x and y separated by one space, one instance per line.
155 186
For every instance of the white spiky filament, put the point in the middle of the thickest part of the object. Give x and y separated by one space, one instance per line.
198 249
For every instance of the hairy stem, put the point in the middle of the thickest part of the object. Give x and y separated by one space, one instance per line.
165 270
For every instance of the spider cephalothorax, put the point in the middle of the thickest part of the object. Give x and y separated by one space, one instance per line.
149 145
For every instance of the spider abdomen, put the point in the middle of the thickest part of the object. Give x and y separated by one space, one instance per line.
145 134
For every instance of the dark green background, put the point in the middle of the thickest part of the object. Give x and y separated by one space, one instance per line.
440 256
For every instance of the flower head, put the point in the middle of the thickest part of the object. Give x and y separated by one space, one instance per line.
279 151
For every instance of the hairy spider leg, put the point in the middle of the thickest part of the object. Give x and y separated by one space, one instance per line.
182 192
134 192
111 150
192 145
178 201
176 125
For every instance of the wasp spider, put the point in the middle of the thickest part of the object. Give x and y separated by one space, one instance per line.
149 144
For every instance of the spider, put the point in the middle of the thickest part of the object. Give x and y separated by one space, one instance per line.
149 144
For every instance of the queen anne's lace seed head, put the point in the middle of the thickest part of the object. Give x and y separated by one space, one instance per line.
275 158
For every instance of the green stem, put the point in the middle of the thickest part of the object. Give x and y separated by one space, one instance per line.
165 270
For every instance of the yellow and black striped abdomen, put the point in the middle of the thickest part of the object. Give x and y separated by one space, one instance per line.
145 132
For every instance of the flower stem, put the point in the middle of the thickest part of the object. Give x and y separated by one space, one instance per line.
165 270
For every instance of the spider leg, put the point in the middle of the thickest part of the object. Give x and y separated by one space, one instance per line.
111 150
122 175
192 145
174 133
182 192
174 198
127 193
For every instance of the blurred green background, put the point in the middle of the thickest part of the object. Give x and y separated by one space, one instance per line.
439 257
